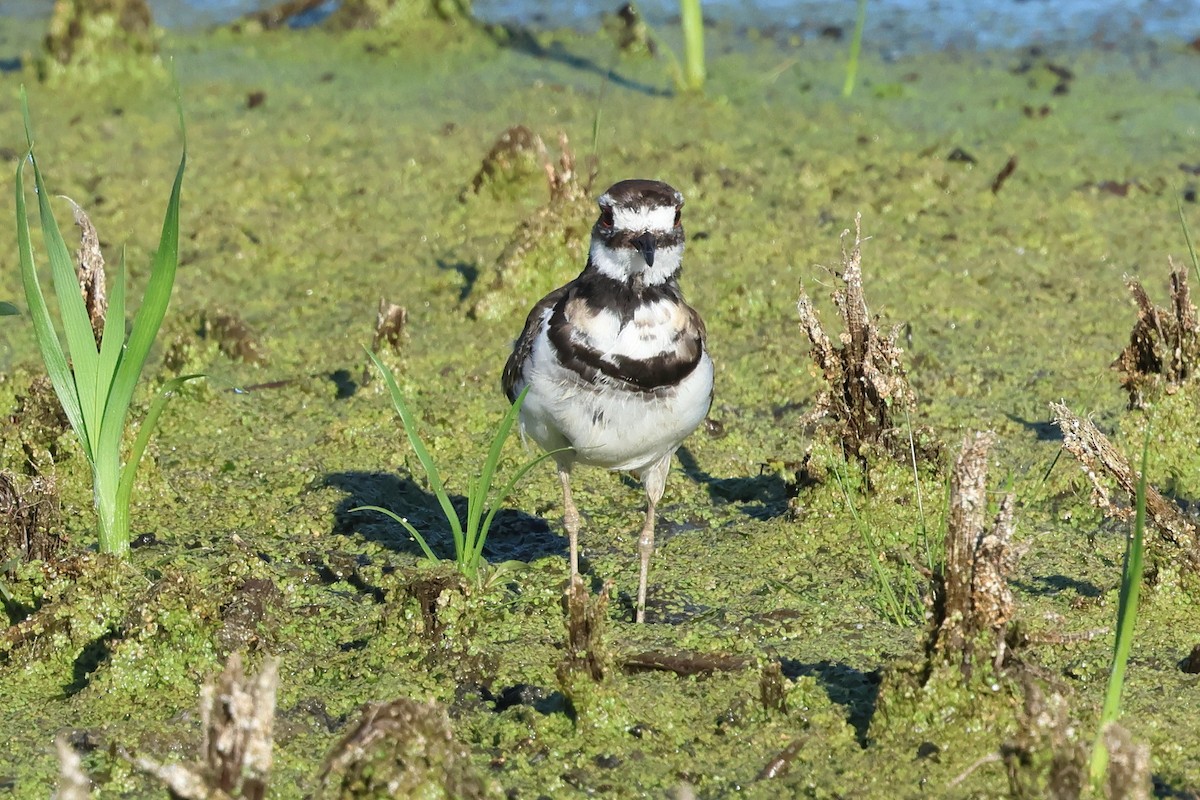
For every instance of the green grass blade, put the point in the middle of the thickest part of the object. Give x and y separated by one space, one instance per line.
506 491
486 476
125 487
692 21
407 526
414 439
1127 606
148 319
891 604
8 309
860 22
77 326
43 328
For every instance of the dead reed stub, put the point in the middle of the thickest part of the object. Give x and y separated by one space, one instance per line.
89 269
402 748
1164 347
866 383
586 617
972 603
1046 757
237 715
1098 458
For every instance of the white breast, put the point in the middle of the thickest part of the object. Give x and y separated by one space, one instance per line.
606 424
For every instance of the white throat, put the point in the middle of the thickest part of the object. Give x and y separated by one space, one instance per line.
622 264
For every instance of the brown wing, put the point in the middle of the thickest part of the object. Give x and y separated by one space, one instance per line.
523 347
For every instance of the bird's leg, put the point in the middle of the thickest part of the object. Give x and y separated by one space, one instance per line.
645 548
570 519
654 480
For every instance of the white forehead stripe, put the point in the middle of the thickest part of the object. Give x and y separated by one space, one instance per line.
644 219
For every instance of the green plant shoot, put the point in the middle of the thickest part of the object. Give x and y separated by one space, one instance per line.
692 20
95 381
860 22
1127 607
469 535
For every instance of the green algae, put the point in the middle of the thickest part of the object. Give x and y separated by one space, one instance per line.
344 185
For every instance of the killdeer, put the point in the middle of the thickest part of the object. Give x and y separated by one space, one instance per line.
615 360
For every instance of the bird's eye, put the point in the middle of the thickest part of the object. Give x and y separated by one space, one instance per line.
678 215
606 217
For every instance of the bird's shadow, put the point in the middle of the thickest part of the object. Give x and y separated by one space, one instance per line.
514 535
523 40
762 496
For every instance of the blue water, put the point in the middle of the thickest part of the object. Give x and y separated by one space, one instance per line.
899 25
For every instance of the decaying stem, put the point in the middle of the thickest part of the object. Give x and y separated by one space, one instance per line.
866 381
90 271
1097 456
973 603
238 717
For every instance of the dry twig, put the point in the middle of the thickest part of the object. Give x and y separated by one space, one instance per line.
1097 456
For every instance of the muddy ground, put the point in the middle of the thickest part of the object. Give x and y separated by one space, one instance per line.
327 171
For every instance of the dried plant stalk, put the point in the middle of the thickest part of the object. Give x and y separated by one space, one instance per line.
1164 347
238 718
1128 775
73 782
586 617
866 381
973 599
391 322
89 267
1097 456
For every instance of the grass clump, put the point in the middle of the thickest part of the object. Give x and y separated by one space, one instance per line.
95 376
470 534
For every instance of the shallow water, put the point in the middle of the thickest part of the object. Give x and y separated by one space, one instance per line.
342 184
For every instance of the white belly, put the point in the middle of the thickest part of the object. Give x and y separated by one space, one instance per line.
606 425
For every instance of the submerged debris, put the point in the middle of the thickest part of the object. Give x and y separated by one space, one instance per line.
233 336
401 749
29 512
866 383
1097 456
972 602
237 716
1164 347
